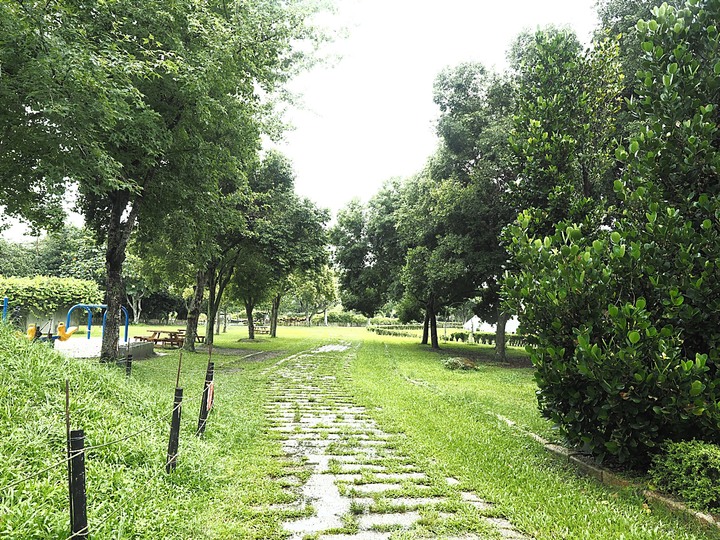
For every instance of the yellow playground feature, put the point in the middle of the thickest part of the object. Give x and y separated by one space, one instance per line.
33 332
63 334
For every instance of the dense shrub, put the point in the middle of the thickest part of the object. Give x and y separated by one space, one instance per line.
346 318
382 331
44 295
623 310
690 469
611 370
460 336
383 321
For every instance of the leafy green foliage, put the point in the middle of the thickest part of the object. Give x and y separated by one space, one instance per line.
624 316
563 129
346 318
369 251
690 469
611 366
43 295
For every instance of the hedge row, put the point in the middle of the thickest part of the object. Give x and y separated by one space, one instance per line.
486 338
42 295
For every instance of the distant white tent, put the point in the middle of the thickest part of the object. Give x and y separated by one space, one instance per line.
476 325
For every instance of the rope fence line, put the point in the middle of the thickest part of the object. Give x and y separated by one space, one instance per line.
36 474
64 461
76 450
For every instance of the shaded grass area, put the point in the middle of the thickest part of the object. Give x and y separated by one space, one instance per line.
450 421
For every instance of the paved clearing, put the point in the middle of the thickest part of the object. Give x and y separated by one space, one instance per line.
349 476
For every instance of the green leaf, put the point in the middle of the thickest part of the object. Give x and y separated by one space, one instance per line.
615 237
696 388
640 303
634 337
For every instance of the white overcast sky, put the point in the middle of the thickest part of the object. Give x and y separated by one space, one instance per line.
370 116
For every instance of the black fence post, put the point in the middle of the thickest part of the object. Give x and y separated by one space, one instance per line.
78 499
128 365
174 432
209 375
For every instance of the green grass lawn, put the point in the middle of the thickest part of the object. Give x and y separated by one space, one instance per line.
225 484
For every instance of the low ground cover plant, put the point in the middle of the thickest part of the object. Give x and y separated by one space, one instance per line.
690 469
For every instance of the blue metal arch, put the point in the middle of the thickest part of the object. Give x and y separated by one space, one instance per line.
89 308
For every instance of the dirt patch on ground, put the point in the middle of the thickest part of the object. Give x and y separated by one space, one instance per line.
244 355
241 357
487 358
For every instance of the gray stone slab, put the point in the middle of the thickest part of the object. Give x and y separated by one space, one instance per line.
403 519
506 529
375 488
321 491
400 477
415 501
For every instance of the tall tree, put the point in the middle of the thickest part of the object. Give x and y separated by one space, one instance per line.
369 252
137 104
563 131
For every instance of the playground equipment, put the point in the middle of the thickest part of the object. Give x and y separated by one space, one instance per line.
33 332
64 334
89 308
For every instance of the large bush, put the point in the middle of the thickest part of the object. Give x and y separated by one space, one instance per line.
613 367
623 311
44 295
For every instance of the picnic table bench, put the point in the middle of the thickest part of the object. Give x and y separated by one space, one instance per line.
176 338
262 329
173 338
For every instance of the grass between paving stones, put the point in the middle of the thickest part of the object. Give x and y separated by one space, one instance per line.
451 428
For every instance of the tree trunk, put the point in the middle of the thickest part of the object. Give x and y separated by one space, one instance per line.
500 337
325 316
113 300
274 314
218 279
225 318
212 303
434 343
118 234
249 306
135 301
426 326
191 329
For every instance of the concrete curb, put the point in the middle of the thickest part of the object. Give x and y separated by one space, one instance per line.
611 479
602 475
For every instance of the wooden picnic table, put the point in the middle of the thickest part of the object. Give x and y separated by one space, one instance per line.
198 337
166 337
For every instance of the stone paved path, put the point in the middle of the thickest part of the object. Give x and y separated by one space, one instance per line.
351 473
